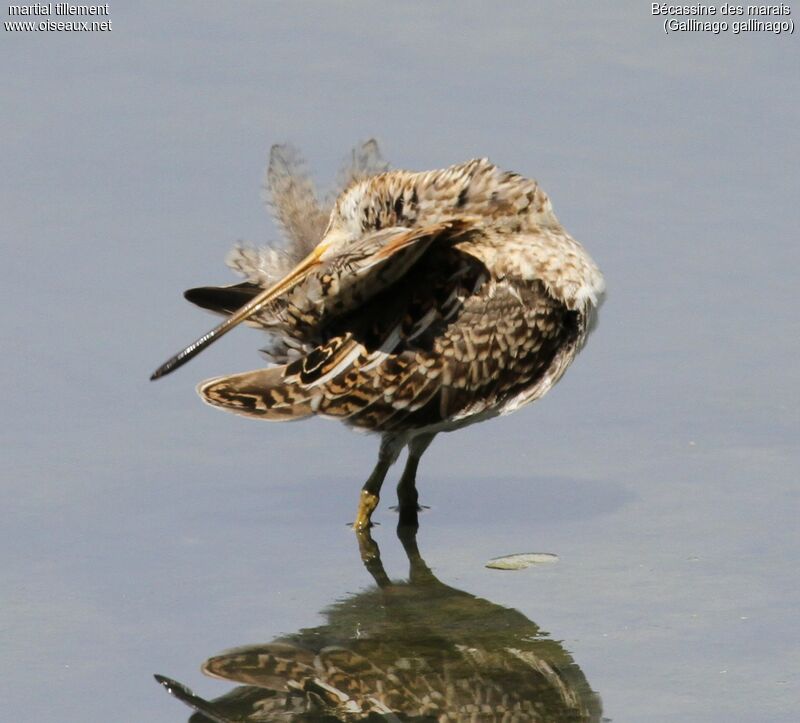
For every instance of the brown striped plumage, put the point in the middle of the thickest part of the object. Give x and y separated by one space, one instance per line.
425 302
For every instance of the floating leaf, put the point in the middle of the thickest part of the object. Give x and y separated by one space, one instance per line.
521 560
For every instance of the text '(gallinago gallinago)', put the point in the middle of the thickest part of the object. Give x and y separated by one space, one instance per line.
419 303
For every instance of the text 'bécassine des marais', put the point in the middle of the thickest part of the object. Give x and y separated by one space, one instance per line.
58 9
780 9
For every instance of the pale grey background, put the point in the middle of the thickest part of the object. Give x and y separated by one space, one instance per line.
143 532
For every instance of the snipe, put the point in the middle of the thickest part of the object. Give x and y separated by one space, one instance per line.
418 303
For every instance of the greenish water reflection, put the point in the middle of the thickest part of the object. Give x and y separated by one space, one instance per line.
409 651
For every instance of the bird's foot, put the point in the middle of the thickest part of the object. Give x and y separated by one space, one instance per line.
366 506
415 508
409 514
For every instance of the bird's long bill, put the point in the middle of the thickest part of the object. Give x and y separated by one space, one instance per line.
294 277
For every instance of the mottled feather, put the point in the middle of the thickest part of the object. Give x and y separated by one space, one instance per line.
425 302
291 195
445 343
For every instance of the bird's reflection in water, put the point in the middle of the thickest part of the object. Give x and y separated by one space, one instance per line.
409 651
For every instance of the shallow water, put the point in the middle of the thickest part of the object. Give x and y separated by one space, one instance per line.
144 533
416 647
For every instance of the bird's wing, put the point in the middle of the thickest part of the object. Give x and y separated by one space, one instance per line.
357 342
328 284
341 282
502 343
343 278
349 277
445 342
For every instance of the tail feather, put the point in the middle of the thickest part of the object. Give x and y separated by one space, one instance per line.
222 299
263 393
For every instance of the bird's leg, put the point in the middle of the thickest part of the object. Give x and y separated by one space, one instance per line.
407 496
371 557
418 572
390 448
